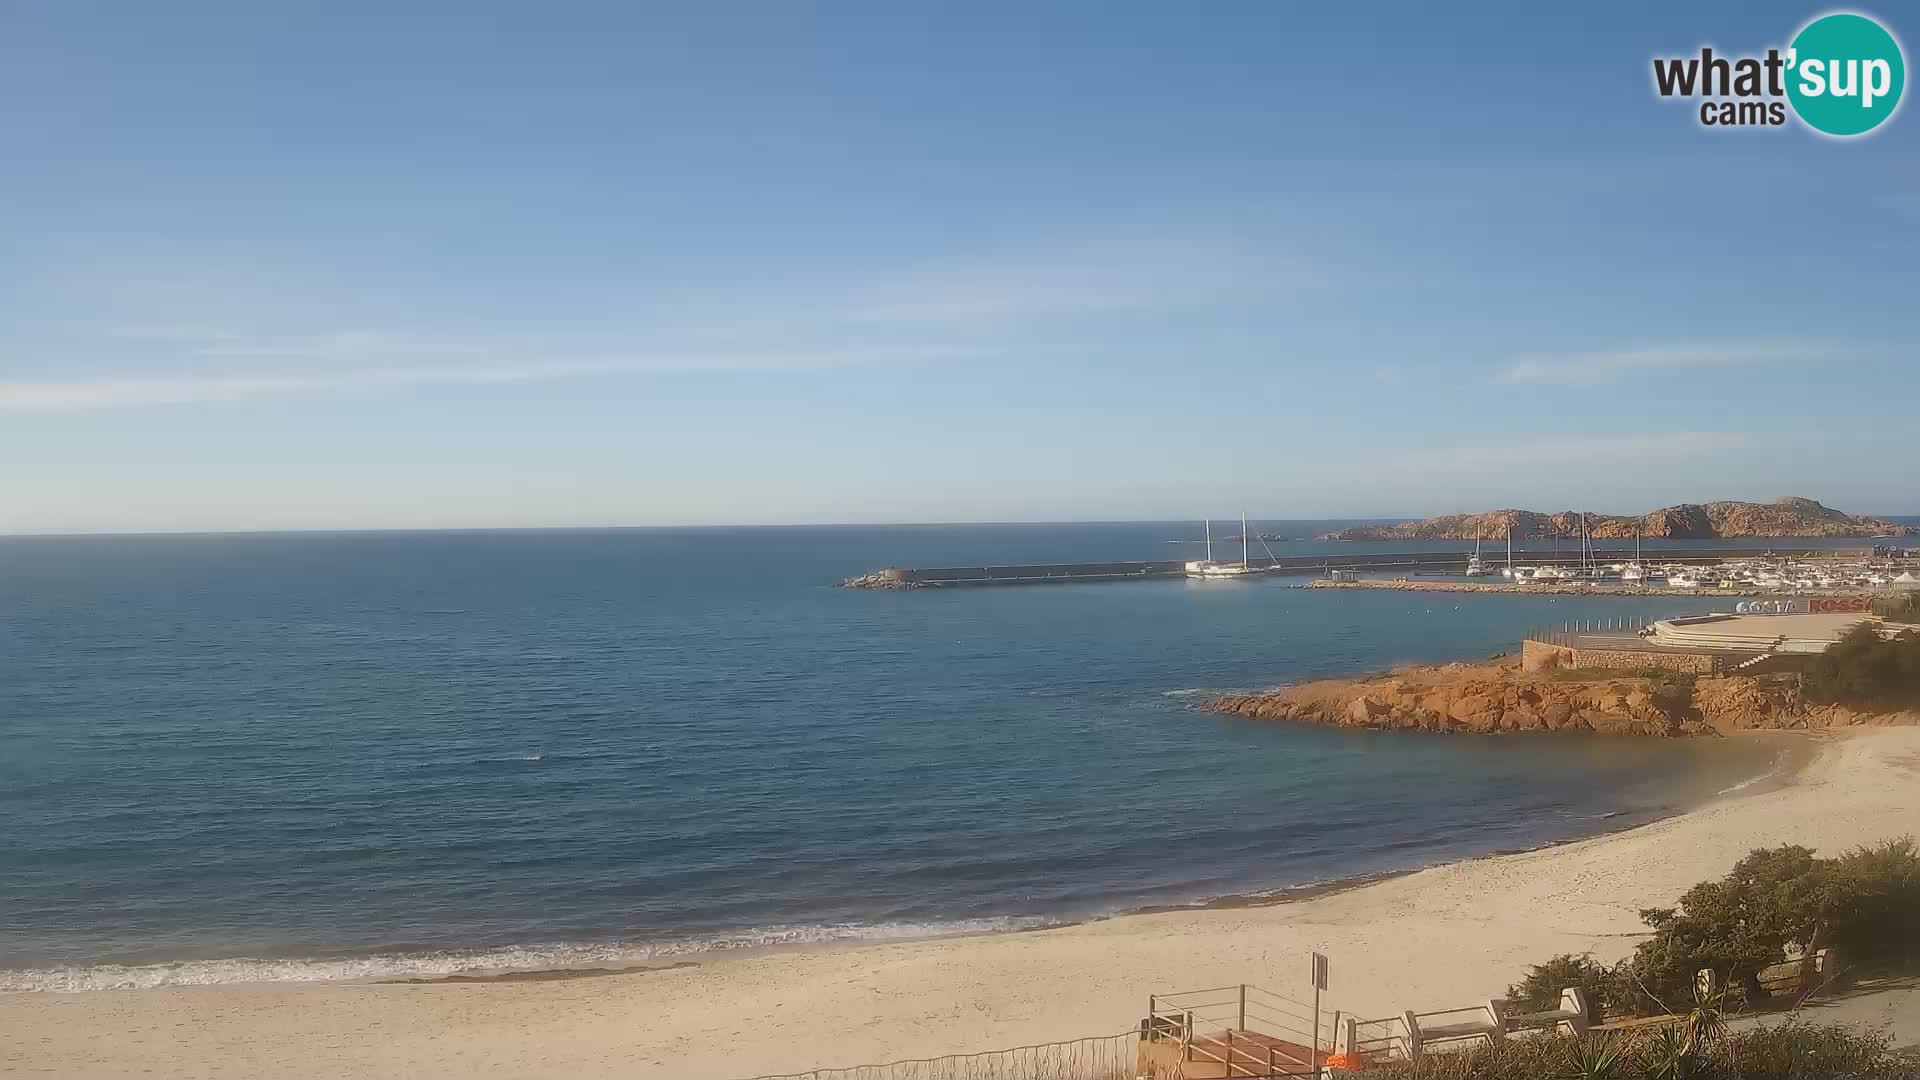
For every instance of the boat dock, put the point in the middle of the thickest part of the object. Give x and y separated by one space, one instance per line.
1406 562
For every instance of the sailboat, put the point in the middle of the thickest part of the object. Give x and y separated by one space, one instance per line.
1549 572
1476 568
1589 556
1634 571
1208 569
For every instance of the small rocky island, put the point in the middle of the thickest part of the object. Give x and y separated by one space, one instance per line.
1498 696
1784 517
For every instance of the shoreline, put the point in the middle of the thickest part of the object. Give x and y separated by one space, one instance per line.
1795 751
1433 938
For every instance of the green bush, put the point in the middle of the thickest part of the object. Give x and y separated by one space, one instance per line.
1540 990
1777 901
1787 1051
1774 899
1867 670
1878 903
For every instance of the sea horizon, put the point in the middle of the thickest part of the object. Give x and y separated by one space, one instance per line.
1912 519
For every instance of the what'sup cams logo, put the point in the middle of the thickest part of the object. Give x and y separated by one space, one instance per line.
1842 76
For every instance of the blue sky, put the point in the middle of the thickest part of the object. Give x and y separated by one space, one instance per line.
424 265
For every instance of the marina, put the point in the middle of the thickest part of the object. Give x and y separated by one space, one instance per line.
1750 571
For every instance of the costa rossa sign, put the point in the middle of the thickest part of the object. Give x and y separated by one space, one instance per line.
1842 75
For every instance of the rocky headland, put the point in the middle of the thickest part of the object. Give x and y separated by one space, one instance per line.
1784 517
1498 697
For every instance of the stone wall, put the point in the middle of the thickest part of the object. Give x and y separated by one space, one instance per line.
1544 656
1692 663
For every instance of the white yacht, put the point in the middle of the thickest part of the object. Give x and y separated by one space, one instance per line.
1209 570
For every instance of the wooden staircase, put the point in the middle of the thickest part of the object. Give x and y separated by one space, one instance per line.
1239 1032
1228 1054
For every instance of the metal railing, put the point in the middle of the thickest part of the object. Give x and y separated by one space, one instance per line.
1569 633
1104 1057
1243 1030
1377 1040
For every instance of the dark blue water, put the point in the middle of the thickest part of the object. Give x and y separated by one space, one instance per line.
300 756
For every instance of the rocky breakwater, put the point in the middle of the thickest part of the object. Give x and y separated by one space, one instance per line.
1498 697
881 579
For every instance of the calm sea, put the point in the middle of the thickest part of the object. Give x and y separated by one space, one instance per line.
242 758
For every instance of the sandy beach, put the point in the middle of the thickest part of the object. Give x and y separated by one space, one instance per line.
1441 937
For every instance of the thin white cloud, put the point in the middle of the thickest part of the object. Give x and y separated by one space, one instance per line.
136 392
994 293
967 308
1590 450
988 302
346 345
1607 366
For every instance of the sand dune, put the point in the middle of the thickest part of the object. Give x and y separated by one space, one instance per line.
1440 937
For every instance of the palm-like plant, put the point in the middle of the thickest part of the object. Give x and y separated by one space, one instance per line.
1596 1058
1670 1055
1706 1023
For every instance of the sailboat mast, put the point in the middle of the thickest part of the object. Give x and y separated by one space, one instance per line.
1209 539
1243 538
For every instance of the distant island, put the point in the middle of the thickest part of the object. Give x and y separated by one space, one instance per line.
1789 516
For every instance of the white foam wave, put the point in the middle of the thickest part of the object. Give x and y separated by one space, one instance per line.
1780 762
1188 692
479 962
1749 782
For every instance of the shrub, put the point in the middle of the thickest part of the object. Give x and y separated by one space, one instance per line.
1774 899
1777 901
1787 1051
1540 990
1792 1050
1878 912
1865 669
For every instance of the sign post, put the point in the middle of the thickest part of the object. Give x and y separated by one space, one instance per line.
1319 984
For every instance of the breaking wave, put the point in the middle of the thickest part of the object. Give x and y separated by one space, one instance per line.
439 964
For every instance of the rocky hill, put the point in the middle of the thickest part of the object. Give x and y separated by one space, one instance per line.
1789 516
1499 697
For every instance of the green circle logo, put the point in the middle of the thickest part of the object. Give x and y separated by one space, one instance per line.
1845 74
